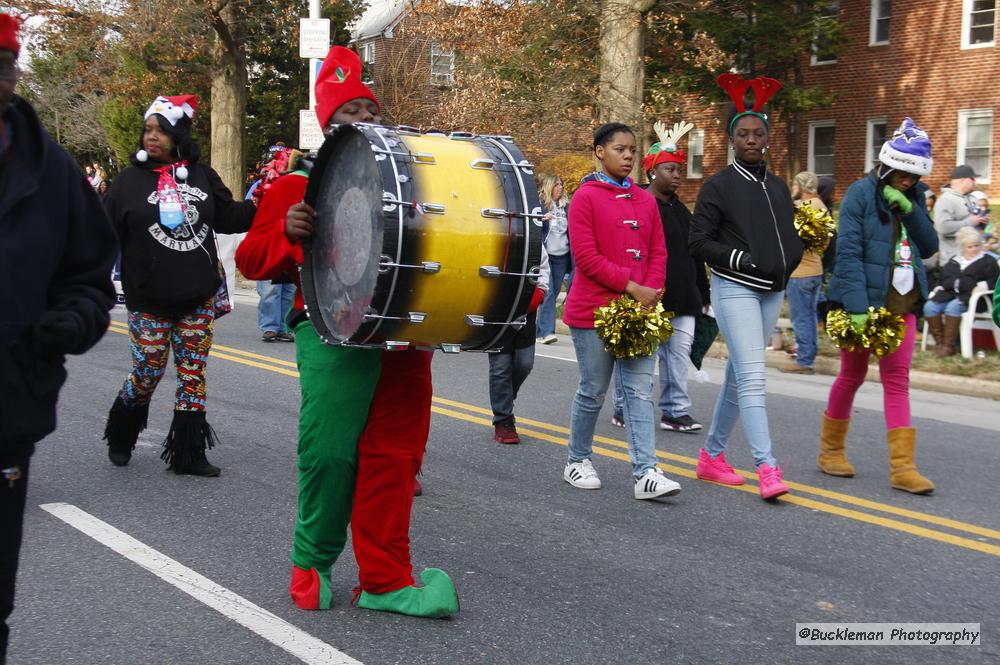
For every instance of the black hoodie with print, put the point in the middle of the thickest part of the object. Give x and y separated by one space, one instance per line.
170 272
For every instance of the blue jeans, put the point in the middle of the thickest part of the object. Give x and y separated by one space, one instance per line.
559 267
953 307
746 317
803 294
275 301
508 370
635 378
674 356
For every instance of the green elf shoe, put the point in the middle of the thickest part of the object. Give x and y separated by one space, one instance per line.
435 599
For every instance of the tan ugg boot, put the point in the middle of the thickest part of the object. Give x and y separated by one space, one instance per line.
903 474
832 459
935 325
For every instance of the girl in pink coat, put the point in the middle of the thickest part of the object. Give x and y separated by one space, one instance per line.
617 243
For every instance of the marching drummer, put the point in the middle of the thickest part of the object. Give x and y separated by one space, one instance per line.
365 413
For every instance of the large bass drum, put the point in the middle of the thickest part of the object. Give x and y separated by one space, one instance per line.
421 240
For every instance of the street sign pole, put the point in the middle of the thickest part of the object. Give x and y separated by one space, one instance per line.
314 42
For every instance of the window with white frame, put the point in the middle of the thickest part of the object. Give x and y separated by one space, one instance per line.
876 135
368 53
975 141
979 23
824 50
442 65
821 143
696 153
879 31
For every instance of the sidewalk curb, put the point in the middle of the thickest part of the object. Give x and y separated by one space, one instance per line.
941 383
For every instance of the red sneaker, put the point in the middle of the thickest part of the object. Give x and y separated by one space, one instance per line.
505 433
717 470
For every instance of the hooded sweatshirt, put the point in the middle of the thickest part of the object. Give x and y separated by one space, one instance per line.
170 272
951 212
616 236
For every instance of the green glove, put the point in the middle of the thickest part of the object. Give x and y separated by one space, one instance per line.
859 321
897 198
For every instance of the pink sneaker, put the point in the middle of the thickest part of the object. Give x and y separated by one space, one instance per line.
770 481
717 470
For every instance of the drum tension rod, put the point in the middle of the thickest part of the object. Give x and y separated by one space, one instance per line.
478 321
414 157
493 271
412 317
388 199
386 262
500 213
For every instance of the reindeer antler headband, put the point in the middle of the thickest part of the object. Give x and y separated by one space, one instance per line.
666 150
736 87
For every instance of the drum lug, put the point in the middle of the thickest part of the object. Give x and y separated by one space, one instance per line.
494 213
423 158
493 271
433 208
412 317
451 348
463 136
477 321
483 164
393 345
385 262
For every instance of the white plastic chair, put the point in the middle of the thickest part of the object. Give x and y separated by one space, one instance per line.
973 319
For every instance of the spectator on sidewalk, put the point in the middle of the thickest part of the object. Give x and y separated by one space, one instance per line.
58 241
955 209
275 302
950 297
883 238
555 232
806 282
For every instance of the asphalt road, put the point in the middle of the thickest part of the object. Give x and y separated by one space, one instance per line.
547 573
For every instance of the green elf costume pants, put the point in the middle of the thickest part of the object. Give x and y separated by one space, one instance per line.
363 428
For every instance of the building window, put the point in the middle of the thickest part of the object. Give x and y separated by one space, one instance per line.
821 140
979 21
825 48
881 13
975 141
696 152
368 53
876 137
442 65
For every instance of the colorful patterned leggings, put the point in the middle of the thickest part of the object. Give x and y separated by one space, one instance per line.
895 372
152 337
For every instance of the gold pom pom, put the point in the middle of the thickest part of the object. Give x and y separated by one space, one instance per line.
630 330
882 334
814 226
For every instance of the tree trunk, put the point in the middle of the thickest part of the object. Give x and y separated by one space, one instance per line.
229 97
623 32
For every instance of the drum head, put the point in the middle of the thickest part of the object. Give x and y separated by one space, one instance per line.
341 260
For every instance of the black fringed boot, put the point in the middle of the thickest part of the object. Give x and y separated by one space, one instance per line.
184 450
122 430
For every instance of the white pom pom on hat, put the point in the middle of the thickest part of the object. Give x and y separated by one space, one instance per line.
142 156
181 172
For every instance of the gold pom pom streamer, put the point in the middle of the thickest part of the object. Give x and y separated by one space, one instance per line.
814 226
630 330
882 334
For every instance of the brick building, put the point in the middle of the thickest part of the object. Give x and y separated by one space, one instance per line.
936 61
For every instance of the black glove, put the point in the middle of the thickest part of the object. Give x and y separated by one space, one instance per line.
745 264
57 332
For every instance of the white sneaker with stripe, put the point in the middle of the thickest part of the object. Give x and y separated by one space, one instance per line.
653 484
582 475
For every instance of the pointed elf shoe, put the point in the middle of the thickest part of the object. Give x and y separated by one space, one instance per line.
435 599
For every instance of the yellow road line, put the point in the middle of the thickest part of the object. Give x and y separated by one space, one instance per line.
988 548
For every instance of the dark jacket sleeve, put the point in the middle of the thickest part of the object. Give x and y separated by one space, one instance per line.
849 268
81 286
921 229
705 229
701 281
231 216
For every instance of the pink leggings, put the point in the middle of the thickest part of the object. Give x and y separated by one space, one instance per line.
894 369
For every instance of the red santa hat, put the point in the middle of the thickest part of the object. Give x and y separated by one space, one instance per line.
8 34
666 150
338 82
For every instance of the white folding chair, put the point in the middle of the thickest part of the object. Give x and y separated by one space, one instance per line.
972 319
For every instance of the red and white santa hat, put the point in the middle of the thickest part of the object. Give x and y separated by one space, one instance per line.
173 108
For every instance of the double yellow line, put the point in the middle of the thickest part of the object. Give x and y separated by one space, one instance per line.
944 530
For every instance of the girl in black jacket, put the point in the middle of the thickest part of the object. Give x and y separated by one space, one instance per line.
743 229
166 209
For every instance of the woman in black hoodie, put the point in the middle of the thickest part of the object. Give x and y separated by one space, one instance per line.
743 229
166 209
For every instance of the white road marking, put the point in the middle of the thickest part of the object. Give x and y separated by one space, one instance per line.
279 632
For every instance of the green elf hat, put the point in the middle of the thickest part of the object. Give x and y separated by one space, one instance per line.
666 150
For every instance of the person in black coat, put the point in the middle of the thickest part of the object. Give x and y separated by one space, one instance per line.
57 247
166 209
950 297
